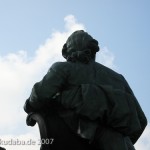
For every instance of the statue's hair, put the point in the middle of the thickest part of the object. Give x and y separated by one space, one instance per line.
85 55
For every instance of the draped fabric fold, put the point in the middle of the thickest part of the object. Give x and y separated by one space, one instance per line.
102 104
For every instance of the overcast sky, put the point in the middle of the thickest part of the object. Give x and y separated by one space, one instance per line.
32 33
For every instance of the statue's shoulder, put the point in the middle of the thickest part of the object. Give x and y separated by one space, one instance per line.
61 66
108 71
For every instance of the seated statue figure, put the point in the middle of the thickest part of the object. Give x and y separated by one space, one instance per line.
1 148
86 105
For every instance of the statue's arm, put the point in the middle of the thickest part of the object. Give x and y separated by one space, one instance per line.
43 92
142 118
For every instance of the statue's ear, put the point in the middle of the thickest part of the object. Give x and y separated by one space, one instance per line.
64 51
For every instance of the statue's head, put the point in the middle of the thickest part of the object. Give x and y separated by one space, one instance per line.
80 46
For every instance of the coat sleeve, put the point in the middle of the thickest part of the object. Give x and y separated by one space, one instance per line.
52 83
142 118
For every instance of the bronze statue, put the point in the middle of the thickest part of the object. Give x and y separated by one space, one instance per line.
1 148
85 103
